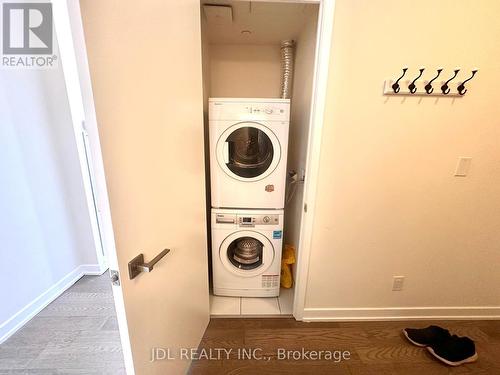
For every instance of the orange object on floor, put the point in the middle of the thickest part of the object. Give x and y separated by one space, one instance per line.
287 260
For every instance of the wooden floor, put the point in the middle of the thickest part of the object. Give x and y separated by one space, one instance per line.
75 334
376 347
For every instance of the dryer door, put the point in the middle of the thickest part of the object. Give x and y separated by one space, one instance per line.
246 253
248 151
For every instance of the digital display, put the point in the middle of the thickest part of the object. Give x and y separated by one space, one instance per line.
247 219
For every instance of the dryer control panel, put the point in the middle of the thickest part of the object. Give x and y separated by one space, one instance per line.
249 109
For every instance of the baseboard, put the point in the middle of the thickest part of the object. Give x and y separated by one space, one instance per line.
19 319
93 269
402 313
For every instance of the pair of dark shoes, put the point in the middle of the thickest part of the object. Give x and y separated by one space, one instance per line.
450 349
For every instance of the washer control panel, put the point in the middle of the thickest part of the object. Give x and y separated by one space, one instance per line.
252 220
225 219
247 219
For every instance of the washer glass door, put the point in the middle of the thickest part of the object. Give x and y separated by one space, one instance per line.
248 151
246 253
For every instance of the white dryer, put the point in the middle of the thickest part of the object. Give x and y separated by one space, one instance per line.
248 152
246 252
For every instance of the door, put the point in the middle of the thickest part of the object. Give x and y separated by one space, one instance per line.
145 63
248 151
246 253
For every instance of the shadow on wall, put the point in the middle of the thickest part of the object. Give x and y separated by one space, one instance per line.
256 69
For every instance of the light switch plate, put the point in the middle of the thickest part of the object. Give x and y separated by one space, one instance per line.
397 283
463 166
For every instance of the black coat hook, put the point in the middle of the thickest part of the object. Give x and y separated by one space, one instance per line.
395 85
461 88
412 87
445 88
428 88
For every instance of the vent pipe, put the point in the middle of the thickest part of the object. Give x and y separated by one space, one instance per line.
287 56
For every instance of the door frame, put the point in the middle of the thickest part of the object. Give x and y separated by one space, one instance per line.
70 65
324 38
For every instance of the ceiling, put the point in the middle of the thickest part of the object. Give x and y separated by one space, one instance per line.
260 22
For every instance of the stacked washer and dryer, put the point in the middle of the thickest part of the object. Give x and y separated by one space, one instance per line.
248 156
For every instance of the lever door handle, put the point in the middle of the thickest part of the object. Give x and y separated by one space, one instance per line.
225 152
137 265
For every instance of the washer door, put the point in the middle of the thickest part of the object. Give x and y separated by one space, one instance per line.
248 151
246 253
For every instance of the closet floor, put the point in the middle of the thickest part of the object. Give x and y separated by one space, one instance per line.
251 307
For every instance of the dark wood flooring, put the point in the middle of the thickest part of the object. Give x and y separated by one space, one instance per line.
375 347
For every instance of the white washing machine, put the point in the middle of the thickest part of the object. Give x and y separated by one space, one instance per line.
248 152
246 252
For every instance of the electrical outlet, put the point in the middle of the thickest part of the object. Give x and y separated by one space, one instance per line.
397 283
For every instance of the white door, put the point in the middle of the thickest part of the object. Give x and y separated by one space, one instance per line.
145 62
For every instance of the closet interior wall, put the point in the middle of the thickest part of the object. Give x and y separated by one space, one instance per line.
305 51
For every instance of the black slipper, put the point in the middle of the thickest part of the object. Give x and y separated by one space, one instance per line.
454 351
426 336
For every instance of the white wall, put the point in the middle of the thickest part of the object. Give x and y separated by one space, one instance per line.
45 238
388 202
245 70
299 122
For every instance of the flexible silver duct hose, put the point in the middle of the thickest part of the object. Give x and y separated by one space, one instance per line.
287 52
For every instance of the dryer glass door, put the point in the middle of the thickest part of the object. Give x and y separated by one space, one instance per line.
249 151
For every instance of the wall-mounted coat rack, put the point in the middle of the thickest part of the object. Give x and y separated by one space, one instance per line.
418 87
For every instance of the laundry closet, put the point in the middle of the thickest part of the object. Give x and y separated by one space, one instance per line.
258 69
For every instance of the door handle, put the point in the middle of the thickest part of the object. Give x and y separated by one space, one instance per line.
137 265
225 152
